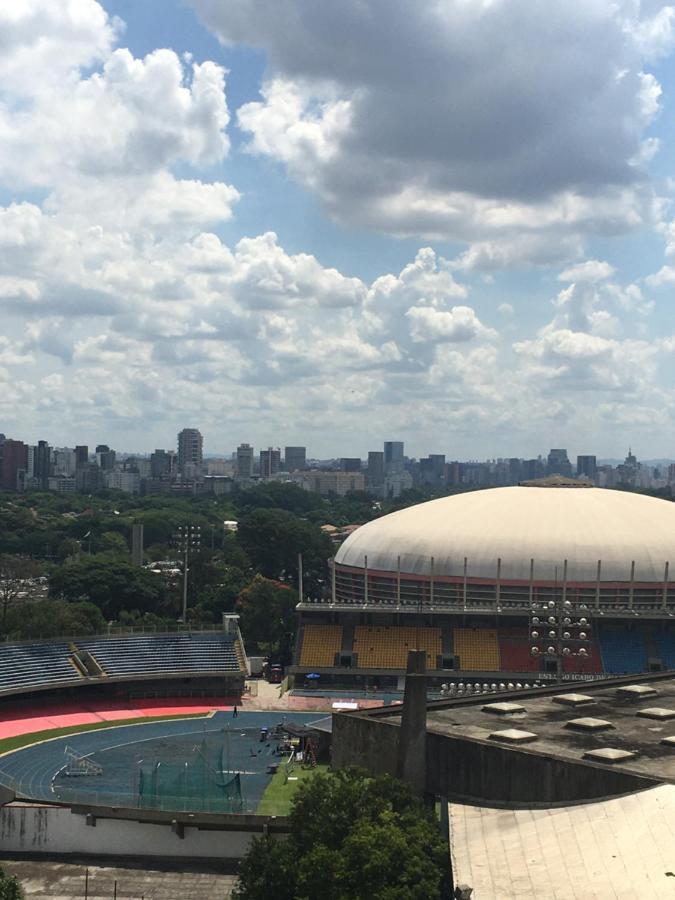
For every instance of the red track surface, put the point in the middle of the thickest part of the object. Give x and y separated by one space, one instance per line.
28 719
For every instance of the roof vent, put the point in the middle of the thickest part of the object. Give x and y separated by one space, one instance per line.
503 709
588 724
637 691
609 755
657 712
572 699
513 736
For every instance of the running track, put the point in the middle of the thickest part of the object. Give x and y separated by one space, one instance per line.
31 769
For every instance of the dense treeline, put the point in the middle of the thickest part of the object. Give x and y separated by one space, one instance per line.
65 559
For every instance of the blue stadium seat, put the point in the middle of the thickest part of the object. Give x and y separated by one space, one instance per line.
163 654
623 651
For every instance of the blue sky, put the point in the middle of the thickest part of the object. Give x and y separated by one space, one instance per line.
336 224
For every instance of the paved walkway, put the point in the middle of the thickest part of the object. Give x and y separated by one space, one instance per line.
66 881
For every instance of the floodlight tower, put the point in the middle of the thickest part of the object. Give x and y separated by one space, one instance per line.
189 541
560 628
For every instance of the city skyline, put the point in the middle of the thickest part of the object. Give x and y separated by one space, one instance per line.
458 229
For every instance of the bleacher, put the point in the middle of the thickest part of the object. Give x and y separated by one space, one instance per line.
623 651
386 647
320 643
24 666
514 651
143 655
477 649
665 645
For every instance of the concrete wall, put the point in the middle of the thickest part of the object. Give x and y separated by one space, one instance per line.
369 743
56 830
478 772
495 775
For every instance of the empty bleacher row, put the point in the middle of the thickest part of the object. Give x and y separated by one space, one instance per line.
50 665
617 649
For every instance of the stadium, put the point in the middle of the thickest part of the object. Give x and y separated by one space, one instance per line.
467 577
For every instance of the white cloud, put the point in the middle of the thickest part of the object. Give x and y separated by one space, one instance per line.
590 271
457 324
431 124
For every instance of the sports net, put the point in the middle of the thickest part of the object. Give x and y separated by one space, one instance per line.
201 782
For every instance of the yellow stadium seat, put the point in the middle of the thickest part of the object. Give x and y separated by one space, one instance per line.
386 647
477 648
320 643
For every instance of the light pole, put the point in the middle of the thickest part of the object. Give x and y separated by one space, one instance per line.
560 629
189 541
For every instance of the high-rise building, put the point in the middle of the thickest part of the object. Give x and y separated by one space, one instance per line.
64 462
350 464
393 457
42 463
270 461
432 470
160 464
81 455
190 452
588 466
375 470
295 459
558 463
14 462
244 461
105 457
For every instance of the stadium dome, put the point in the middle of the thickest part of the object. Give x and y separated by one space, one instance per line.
514 525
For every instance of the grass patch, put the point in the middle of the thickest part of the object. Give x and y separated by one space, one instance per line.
276 801
22 740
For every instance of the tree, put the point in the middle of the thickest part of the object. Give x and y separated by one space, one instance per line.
273 538
51 618
267 616
113 585
14 573
352 836
10 889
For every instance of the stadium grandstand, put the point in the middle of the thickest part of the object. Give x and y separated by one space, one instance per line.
176 664
463 577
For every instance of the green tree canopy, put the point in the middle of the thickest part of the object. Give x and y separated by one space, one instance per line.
353 836
51 618
273 538
268 618
111 584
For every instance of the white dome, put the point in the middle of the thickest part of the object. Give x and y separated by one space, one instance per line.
516 524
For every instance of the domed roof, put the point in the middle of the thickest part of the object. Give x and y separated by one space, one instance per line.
516 524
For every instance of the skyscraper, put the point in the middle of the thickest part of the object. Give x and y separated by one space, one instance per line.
587 465
14 461
558 463
375 469
295 459
81 455
190 452
393 457
160 464
244 460
42 460
270 461
105 457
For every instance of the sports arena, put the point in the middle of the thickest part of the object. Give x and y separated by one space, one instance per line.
464 578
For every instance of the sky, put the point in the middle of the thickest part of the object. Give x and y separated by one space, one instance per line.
287 222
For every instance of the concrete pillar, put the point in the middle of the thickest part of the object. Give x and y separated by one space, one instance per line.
412 740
